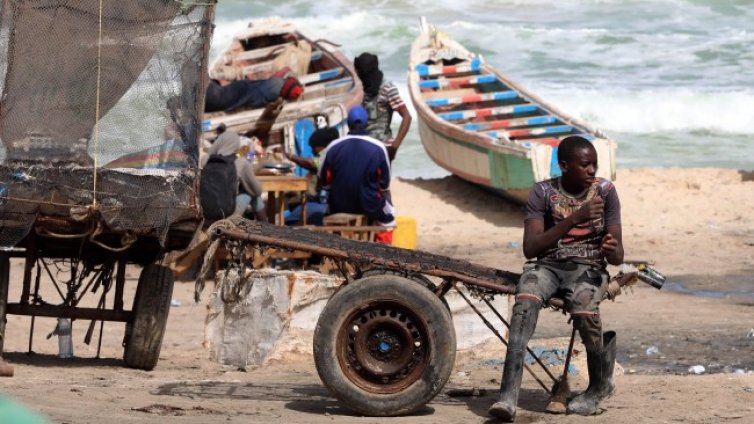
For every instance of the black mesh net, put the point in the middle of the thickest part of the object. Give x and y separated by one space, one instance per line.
99 117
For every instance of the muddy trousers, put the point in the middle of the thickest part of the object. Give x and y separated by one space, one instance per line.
523 323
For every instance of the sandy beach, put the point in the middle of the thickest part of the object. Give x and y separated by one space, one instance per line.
696 225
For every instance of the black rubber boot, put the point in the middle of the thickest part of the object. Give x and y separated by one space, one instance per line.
601 387
523 322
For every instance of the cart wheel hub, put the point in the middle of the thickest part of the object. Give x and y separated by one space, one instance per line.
384 347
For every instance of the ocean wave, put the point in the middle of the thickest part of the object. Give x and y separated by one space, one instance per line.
658 110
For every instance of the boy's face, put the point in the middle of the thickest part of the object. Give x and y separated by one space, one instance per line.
581 169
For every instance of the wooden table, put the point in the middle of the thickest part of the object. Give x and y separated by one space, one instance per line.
276 186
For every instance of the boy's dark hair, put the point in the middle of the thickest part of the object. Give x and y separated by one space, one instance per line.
221 129
570 144
323 136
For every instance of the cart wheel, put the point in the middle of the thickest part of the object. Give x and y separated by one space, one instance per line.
4 282
413 276
384 345
150 316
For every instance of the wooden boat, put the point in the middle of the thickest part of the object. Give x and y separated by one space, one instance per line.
481 126
331 85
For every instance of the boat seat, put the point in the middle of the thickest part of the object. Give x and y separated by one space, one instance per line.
267 66
473 98
458 82
492 111
550 141
327 88
256 53
509 123
322 76
532 132
425 70
459 92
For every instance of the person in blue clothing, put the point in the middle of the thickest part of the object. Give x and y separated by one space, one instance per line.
355 170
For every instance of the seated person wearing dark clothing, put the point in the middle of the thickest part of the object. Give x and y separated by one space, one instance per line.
316 206
245 94
356 171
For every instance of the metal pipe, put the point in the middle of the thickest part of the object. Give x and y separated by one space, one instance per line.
492 328
53 311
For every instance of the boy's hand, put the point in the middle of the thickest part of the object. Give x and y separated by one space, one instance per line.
589 211
609 244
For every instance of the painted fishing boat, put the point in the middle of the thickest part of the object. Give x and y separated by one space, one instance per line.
478 124
263 50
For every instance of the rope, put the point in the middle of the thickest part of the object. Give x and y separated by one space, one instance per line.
96 106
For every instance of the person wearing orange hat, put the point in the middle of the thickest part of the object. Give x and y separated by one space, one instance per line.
250 94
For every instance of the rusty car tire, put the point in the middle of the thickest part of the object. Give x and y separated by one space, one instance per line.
384 345
146 330
413 276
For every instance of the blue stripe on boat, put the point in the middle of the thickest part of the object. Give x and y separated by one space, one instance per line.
450 116
554 167
422 69
541 120
525 108
329 74
430 84
338 82
560 129
438 102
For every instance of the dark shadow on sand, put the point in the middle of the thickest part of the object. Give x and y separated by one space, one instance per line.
529 400
51 360
471 198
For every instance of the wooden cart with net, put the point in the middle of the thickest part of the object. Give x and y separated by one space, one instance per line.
100 121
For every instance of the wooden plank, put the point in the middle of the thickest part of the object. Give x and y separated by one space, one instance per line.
534 132
256 53
473 98
492 111
283 183
508 123
322 76
425 70
458 82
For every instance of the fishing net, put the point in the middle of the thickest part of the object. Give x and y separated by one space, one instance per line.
100 116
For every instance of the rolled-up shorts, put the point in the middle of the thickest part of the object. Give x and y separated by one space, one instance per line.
581 286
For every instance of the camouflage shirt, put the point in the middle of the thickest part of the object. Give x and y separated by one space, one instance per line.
549 202
380 109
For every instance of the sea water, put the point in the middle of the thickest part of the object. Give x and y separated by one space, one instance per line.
672 81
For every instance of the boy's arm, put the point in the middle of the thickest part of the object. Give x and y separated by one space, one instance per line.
537 240
612 245
306 163
392 149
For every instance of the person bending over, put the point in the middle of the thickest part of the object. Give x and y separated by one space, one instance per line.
572 229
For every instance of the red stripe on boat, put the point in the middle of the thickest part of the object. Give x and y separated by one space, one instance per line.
471 98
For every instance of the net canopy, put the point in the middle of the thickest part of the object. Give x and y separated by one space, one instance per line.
99 116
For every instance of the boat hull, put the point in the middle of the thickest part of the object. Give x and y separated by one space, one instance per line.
478 124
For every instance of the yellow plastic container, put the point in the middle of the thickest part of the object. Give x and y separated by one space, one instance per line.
404 234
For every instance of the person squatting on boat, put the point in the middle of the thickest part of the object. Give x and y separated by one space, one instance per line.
355 171
381 99
572 227
243 94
